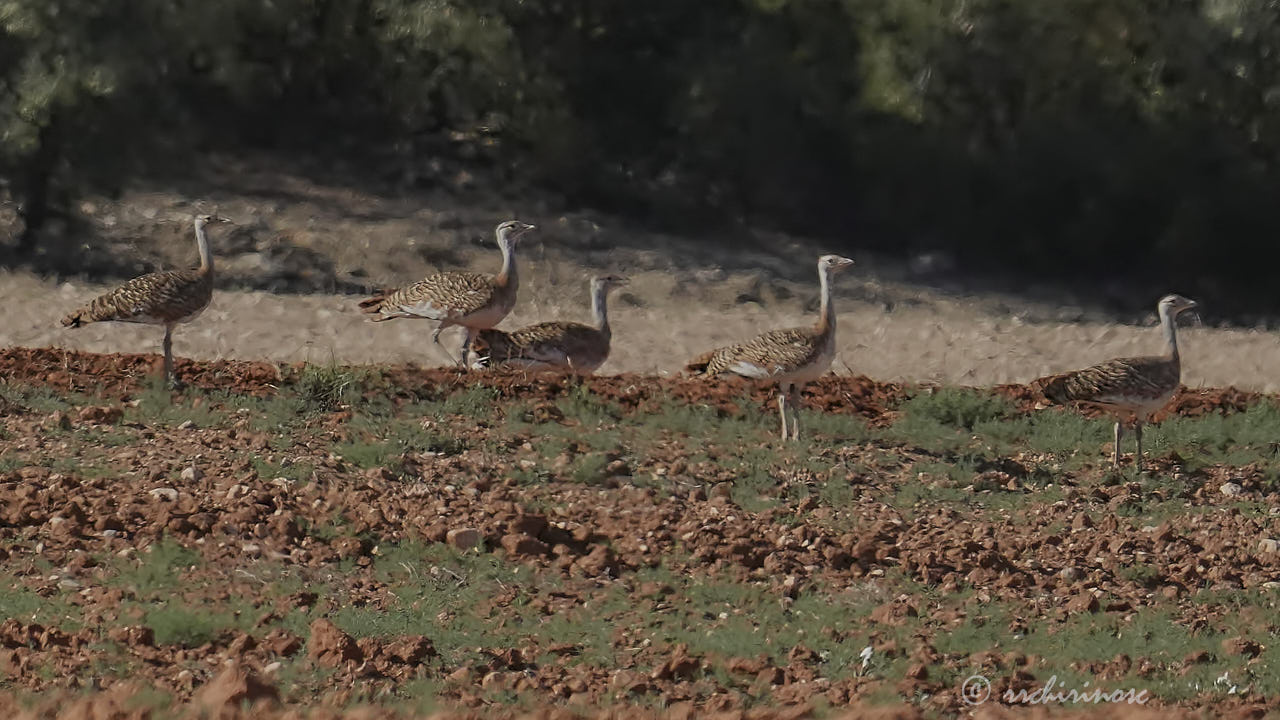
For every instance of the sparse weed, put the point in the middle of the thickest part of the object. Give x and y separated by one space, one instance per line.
476 401
10 461
156 405
184 626
37 399
325 388
831 427
957 407
159 569
589 410
382 440
24 605
589 469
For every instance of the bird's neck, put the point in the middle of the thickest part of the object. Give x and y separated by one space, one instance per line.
600 307
826 314
202 244
1169 323
507 276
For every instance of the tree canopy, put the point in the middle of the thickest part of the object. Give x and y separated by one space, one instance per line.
1124 139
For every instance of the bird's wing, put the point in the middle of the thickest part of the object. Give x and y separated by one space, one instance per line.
550 343
446 296
1113 381
161 296
773 353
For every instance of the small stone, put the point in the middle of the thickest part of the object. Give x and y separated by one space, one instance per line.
186 425
1070 574
100 415
1267 545
1082 603
464 538
1231 489
523 546
1196 658
1241 646
191 473
272 668
167 494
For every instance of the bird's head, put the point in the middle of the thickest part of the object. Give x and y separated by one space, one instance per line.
609 282
510 232
203 220
1174 305
833 263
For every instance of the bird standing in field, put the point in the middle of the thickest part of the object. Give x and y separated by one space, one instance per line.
161 298
1130 389
570 346
790 357
476 301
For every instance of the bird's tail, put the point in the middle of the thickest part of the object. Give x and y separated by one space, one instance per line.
373 306
1054 388
76 319
491 347
698 365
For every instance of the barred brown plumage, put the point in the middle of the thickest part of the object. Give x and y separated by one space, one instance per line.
160 298
1132 389
789 357
473 300
572 346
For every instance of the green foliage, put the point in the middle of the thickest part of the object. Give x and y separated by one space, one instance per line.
157 405
957 407
18 602
324 388
159 569
189 627
40 399
1138 120
377 441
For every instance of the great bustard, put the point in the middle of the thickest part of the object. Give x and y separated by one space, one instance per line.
160 298
571 346
476 301
790 357
1131 389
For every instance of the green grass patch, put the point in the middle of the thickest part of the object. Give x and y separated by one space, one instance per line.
156 571
189 627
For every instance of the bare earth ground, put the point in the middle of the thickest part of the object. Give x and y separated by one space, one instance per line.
298 242
320 540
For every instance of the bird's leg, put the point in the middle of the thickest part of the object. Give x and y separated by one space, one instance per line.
1115 453
795 412
782 410
169 377
435 338
1137 434
466 347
